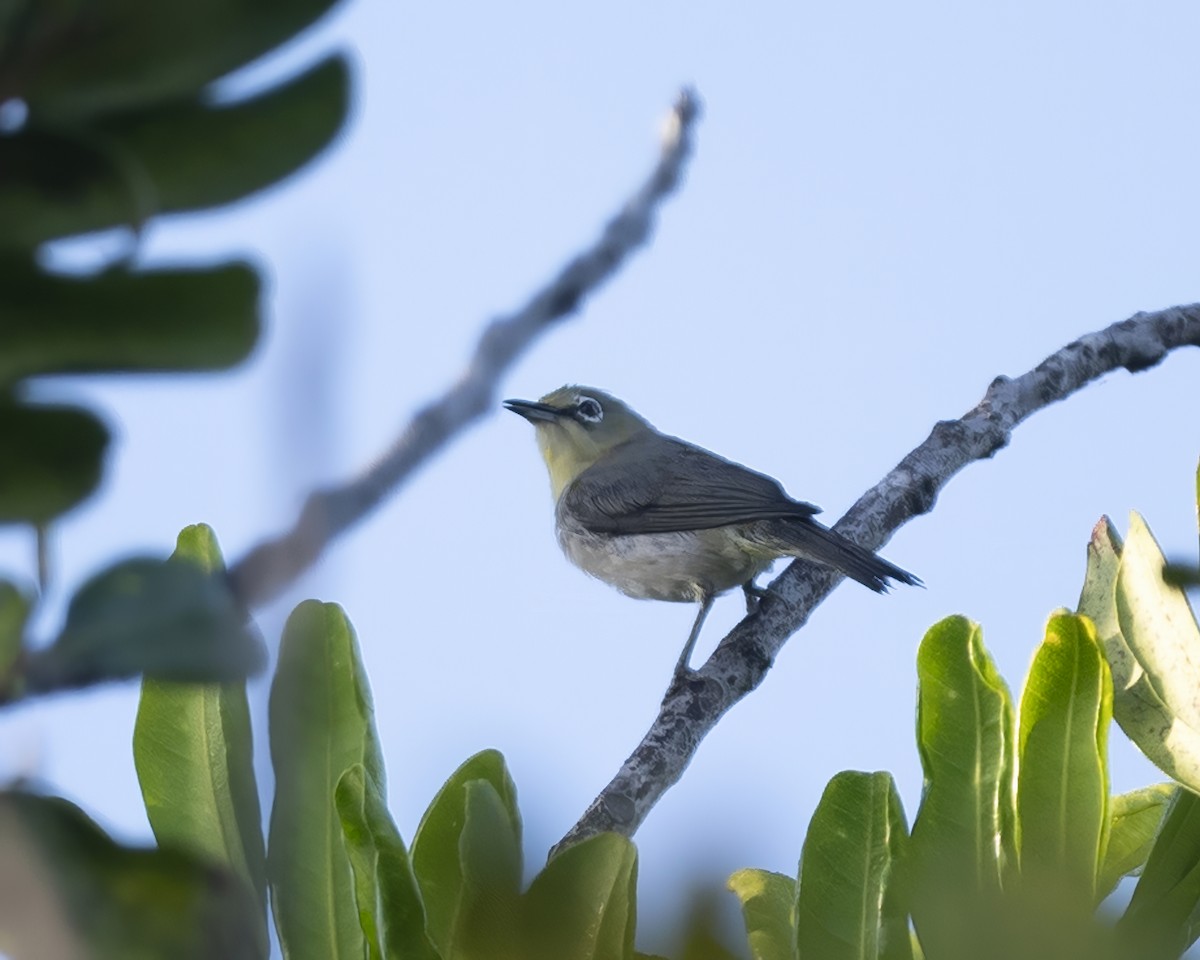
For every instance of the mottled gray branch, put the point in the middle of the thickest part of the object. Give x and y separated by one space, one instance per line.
271 566
692 707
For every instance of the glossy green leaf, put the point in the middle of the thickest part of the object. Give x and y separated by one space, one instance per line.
193 751
844 905
582 906
72 892
1136 818
53 458
321 724
1062 790
391 915
71 61
1166 737
167 620
123 170
767 901
1159 917
489 853
964 835
120 321
435 848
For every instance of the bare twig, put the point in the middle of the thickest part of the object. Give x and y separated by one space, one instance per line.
692 708
271 566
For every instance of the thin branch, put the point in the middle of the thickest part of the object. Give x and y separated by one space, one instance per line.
271 566
692 708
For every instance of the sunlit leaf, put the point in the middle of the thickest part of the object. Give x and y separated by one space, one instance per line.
1136 818
1062 791
767 902
964 836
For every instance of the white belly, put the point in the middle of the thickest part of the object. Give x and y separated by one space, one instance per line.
685 567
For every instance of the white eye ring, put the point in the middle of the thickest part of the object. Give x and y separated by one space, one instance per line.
589 410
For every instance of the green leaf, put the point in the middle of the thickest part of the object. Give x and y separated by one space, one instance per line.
72 61
845 907
767 900
71 891
489 854
1062 790
322 724
390 911
964 836
53 457
1136 818
1158 921
193 751
435 849
120 321
582 906
15 608
1141 708
124 169
168 620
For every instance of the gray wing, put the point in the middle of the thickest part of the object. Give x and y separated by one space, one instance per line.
659 484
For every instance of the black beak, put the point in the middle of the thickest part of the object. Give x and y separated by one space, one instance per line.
534 412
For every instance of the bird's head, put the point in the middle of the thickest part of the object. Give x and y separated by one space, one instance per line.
576 426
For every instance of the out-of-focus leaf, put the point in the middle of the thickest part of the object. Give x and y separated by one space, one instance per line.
1136 818
582 906
322 724
1139 704
170 621
1062 789
71 892
767 900
73 61
120 321
122 170
193 751
14 612
390 911
489 854
1158 919
963 839
52 460
435 848
844 905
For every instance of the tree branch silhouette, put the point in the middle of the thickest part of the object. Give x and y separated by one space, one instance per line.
271 566
692 707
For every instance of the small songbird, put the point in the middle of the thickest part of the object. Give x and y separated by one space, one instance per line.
662 519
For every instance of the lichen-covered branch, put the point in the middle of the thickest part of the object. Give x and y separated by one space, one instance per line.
271 566
692 708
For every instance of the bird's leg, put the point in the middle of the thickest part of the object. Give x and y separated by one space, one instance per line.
681 667
754 596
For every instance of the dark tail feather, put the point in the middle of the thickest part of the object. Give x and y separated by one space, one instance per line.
810 540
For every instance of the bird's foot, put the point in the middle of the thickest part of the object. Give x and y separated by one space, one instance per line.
754 596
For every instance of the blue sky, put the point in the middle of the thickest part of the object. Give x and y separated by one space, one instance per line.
889 206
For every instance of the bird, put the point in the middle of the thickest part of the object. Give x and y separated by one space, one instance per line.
663 519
